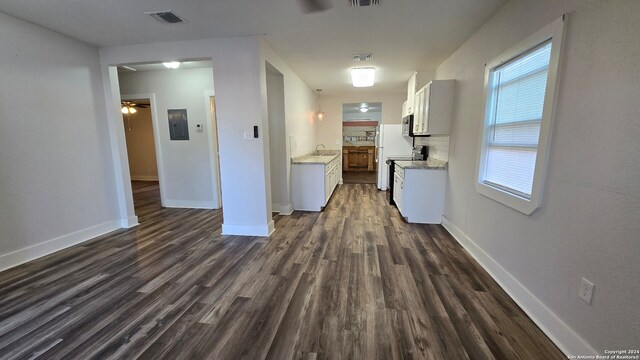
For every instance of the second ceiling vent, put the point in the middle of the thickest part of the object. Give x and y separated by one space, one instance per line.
359 3
167 17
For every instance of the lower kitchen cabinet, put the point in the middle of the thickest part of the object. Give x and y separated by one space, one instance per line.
419 194
313 183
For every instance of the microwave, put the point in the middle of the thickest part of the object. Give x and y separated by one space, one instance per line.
407 125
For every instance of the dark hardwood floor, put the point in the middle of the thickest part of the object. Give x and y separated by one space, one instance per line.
352 282
360 177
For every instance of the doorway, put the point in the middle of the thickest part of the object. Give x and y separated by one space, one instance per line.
359 128
141 152
279 190
184 129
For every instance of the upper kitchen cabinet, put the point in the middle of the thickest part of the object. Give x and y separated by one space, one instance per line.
411 93
405 109
433 108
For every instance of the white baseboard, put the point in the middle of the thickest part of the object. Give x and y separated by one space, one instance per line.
143 178
188 204
248 230
33 252
283 209
569 342
129 223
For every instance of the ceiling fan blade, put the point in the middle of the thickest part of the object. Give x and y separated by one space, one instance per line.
314 6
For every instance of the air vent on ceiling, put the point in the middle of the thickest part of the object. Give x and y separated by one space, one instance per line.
358 3
363 57
166 17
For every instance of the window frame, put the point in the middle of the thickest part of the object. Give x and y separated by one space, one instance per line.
553 32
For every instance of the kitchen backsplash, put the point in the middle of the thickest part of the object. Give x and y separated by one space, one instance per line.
438 146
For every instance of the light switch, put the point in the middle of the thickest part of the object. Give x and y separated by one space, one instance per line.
199 128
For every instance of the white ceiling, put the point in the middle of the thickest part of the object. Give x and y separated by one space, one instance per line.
403 35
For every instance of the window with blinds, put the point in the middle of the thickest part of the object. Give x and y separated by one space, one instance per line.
516 94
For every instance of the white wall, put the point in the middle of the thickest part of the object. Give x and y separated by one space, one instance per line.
140 145
589 222
56 177
186 179
299 107
277 142
240 86
330 128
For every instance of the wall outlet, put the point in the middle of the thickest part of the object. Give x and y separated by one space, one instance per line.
586 290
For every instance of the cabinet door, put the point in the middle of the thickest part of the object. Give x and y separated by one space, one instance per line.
411 92
333 179
425 109
417 116
422 124
399 194
327 189
397 191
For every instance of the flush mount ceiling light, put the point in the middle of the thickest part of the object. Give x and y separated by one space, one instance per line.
363 108
320 113
363 76
172 64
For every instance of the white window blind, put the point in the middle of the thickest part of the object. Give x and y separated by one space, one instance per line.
517 93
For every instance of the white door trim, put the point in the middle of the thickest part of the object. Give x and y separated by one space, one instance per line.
212 132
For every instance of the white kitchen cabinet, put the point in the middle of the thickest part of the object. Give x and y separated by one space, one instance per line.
419 113
411 93
434 108
398 189
312 183
419 194
405 110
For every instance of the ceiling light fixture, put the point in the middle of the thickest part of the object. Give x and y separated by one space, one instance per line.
363 76
128 110
364 109
172 64
320 113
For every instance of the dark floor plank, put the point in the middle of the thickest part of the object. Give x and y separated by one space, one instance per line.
352 282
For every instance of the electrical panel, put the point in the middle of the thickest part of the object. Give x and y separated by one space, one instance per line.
178 124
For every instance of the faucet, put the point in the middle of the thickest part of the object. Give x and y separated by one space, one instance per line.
323 147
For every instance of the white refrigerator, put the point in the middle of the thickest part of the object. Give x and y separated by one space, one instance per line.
390 143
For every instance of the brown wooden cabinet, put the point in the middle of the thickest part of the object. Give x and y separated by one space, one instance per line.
360 158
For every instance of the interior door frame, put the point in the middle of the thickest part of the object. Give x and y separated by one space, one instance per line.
156 138
214 153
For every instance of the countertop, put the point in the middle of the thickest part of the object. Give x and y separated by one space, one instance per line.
322 157
429 164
